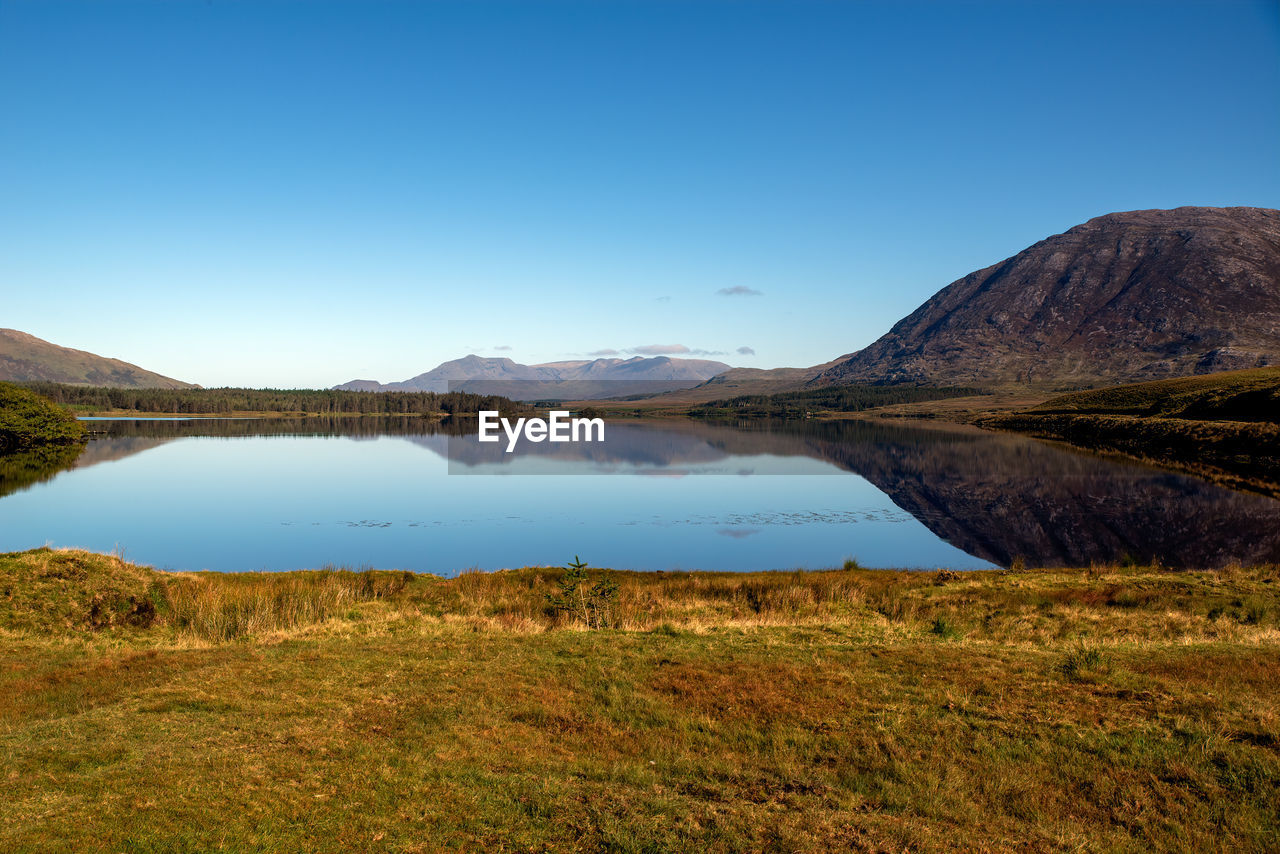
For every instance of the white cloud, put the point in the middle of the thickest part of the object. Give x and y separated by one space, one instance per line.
661 350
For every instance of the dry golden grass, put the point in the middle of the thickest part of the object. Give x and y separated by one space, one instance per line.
208 607
1041 710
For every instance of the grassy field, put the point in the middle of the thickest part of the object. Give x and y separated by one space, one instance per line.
1091 710
1222 426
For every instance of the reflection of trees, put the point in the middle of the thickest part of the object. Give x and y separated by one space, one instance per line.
24 468
995 496
316 425
118 439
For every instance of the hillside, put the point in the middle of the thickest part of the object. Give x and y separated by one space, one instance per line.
26 358
1232 396
1224 426
580 380
1124 297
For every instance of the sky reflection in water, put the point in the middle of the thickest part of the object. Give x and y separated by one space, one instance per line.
177 495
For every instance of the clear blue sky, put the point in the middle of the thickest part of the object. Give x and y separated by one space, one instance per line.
302 193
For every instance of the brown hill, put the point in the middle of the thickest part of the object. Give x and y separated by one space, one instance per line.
1125 297
26 358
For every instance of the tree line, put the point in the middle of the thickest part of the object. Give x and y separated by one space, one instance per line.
208 401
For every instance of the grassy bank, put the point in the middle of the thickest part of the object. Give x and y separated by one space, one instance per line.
1239 454
1100 709
1222 426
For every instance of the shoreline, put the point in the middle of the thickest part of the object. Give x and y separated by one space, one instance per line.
1237 454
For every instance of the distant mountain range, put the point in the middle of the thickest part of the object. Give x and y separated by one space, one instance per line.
1124 297
26 358
591 379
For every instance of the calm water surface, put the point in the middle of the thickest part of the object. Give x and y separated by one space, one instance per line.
396 493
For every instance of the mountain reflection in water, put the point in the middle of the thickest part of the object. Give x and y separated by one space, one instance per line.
996 497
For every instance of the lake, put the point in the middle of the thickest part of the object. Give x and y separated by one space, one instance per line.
277 494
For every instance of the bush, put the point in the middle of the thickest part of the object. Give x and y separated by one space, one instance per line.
113 608
1255 611
594 605
1124 597
28 420
944 628
1082 663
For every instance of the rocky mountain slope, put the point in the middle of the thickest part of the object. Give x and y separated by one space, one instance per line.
577 380
1124 297
26 358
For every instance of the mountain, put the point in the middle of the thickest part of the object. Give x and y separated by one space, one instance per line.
734 382
1122 298
572 380
26 358
469 368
